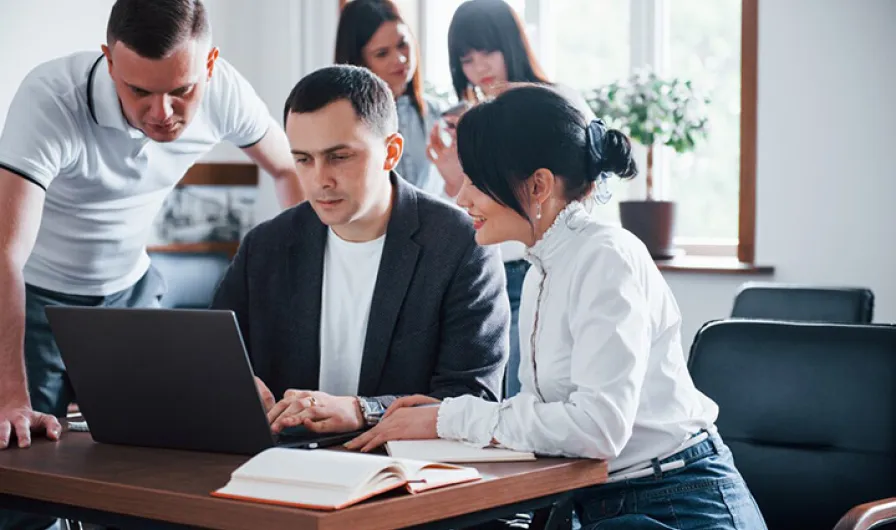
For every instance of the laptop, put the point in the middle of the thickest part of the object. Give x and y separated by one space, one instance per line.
168 378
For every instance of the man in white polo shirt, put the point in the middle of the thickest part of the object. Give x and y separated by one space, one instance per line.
91 147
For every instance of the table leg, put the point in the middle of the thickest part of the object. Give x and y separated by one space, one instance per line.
558 516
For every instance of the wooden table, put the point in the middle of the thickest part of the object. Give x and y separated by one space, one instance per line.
76 478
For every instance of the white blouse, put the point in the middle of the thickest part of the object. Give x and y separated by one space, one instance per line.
602 368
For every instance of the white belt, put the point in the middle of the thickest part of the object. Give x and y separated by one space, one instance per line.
646 469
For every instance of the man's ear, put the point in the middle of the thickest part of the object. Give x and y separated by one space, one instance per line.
394 149
210 63
108 53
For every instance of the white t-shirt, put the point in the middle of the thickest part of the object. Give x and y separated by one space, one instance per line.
350 271
105 180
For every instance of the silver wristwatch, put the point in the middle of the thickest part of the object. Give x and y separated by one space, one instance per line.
371 410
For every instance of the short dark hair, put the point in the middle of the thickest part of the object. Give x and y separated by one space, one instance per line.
491 25
359 20
368 94
153 28
501 143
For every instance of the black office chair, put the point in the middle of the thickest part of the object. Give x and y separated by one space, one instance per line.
809 412
775 301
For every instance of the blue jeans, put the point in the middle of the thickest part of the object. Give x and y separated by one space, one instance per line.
516 273
48 384
708 492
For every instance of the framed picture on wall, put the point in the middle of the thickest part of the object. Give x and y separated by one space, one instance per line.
210 210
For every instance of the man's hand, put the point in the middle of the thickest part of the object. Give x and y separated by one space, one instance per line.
267 397
22 204
317 411
22 421
410 418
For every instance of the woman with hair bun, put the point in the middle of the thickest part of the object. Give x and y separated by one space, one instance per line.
603 371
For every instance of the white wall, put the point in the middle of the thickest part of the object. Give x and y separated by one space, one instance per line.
826 177
273 44
40 30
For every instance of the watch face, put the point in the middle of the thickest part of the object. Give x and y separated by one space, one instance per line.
373 411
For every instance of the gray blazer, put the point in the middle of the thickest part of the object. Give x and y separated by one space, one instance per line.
439 318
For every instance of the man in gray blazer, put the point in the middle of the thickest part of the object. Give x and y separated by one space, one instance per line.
371 289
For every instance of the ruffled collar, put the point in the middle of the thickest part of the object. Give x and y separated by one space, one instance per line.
571 219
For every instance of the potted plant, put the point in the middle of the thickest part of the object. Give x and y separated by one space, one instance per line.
653 111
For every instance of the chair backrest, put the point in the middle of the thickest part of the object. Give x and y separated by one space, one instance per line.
775 301
809 411
191 278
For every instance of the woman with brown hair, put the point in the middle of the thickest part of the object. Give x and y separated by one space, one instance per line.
373 34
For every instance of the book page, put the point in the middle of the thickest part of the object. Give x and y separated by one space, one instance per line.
302 495
424 476
324 469
452 451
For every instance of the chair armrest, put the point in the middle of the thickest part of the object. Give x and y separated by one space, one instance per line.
869 515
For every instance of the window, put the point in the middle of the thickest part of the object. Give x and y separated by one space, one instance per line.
580 54
704 45
588 43
574 52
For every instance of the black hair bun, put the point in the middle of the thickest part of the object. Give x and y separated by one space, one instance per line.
609 151
617 155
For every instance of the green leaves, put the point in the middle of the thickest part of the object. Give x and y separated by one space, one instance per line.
654 110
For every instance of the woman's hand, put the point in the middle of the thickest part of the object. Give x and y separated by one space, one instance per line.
410 401
444 157
408 418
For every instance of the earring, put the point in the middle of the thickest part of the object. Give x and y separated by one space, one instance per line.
538 211
603 194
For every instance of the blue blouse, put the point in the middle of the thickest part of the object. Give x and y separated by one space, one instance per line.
414 166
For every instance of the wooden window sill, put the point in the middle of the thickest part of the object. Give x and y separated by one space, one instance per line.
206 247
713 265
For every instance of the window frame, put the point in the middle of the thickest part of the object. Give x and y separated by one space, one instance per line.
649 28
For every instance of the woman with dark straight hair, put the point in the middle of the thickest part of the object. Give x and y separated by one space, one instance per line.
488 50
603 371
487 46
373 34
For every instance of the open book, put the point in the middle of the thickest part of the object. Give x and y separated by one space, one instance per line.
330 480
453 451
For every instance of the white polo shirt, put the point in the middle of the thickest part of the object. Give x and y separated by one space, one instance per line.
105 181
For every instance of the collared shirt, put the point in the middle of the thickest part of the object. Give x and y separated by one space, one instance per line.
105 181
414 166
602 368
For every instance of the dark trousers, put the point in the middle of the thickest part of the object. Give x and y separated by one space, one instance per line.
48 384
